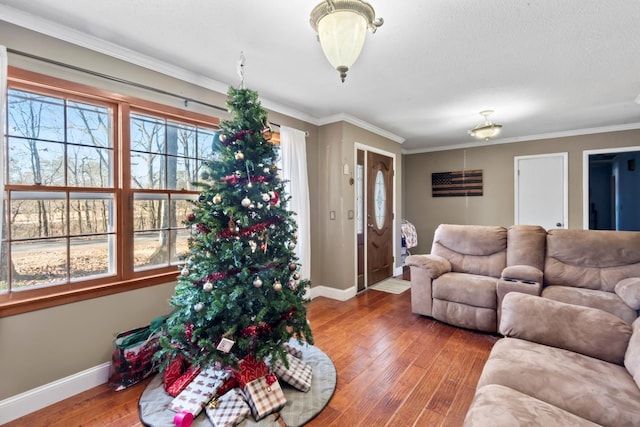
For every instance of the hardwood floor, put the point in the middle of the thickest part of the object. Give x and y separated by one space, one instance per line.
394 369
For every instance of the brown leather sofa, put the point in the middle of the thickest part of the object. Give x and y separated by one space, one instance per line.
471 268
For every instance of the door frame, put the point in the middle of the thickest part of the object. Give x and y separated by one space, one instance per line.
565 184
585 177
394 224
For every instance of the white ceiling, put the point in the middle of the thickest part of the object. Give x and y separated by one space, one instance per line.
547 67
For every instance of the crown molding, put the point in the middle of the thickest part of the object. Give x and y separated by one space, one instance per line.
551 135
342 117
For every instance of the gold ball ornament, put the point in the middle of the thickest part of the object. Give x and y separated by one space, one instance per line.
185 271
198 307
246 202
207 287
293 285
239 155
267 133
223 138
257 282
217 199
277 286
296 276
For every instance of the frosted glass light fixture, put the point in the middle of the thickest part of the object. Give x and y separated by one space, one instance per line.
342 26
486 130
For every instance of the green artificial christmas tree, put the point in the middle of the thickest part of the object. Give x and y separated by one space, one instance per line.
239 291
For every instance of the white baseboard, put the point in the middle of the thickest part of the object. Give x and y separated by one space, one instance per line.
399 271
333 293
32 400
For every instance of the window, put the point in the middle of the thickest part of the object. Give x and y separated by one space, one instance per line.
166 158
60 191
96 189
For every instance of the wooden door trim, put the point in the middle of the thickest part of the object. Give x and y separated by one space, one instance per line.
366 148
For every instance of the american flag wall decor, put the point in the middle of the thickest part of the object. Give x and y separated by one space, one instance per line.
458 183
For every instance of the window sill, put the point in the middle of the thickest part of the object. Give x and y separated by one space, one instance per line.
38 299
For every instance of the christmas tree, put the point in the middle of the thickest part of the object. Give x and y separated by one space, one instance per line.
239 291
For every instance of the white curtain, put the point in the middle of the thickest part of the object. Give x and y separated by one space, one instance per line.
293 147
4 61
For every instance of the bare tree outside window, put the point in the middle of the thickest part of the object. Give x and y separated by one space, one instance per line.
165 159
60 191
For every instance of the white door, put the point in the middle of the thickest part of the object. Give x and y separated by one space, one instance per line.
541 187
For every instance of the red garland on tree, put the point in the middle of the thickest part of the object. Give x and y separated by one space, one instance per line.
233 301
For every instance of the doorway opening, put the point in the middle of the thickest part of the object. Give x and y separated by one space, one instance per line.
611 189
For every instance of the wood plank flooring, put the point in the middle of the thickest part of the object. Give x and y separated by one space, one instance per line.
394 369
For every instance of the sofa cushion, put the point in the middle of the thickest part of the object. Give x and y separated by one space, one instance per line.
606 301
498 406
590 388
632 357
585 330
525 245
465 316
475 249
471 289
629 292
593 259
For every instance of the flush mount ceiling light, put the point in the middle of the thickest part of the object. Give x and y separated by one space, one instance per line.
487 129
342 26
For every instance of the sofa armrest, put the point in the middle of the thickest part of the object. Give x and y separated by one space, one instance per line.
434 265
629 291
584 330
523 273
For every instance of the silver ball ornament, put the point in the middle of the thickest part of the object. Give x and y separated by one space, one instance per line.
257 282
198 307
207 287
246 202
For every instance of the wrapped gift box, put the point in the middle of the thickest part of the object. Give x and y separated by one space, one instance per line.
183 381
250 369
199 392
298 374
229 409
293 350
264 396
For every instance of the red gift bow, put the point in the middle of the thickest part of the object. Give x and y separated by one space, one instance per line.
271 379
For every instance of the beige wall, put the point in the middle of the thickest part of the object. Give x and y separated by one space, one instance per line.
42 346
496 206
337 144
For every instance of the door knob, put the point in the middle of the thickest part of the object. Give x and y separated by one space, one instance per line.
558 224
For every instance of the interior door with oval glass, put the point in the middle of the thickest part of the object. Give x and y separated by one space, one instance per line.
379 217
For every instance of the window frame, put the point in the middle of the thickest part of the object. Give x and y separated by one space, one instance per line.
125 277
